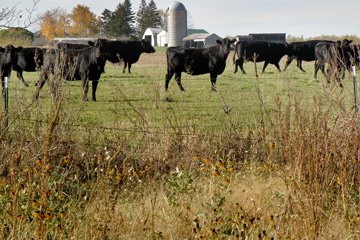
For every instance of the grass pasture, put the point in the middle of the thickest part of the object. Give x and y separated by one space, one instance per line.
273 157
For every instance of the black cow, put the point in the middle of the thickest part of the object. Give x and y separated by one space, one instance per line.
127 51
23 59
86 64
5 68
302 51
339 56
74 46
263 51
197 61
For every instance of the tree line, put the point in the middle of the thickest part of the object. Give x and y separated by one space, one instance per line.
122 22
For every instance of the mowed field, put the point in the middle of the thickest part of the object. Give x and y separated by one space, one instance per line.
273 157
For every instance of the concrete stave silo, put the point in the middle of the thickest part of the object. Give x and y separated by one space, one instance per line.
177 24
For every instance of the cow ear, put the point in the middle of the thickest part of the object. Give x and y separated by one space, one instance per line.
218 41
18 49
233 40
91 43
143 42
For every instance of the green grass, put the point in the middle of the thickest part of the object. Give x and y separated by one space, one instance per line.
198 106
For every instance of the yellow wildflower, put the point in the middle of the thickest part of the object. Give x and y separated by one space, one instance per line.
66 159
216 173
226 180
38 162
220 164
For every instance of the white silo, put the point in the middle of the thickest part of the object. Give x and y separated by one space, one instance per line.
177 24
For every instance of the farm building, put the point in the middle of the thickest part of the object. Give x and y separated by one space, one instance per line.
200 40
151 35
177 23
269 37
242 38
39 40
162 39
192 31
159 37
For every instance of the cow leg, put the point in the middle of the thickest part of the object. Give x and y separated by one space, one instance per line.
240 62
129 66
288 61
85 81
277 66
20 76
213 78
236 65
125 64
316 68
94 87
40 84
178 80
322 68
3 85
168 76
299 65
265 65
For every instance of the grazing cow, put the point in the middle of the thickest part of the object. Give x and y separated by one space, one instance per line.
197 61
264 51
127 51
302 51
339 56
23 59
86 64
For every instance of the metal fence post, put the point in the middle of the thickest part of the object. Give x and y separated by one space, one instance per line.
6 100
355 87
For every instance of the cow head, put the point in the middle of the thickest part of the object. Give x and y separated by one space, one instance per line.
225 45
99 46
146 45
10 53
346 43
289 49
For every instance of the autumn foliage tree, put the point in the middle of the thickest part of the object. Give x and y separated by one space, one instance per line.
55 23
84 22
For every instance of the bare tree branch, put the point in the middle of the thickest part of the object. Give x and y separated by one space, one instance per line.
11 17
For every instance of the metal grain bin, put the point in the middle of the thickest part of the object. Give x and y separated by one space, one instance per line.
177 24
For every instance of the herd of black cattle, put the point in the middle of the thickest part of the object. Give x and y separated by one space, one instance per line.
86 62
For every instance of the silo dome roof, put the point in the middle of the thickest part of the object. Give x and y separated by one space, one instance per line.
177 6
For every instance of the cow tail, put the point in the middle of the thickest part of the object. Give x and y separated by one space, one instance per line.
234 54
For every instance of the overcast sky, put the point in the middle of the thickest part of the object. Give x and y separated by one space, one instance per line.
309 18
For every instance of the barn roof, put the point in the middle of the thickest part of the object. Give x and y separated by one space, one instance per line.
155 30
198 36
192 31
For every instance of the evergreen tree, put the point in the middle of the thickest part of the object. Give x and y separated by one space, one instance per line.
153 15
148 16
107 15
128 19
140 18
120 22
